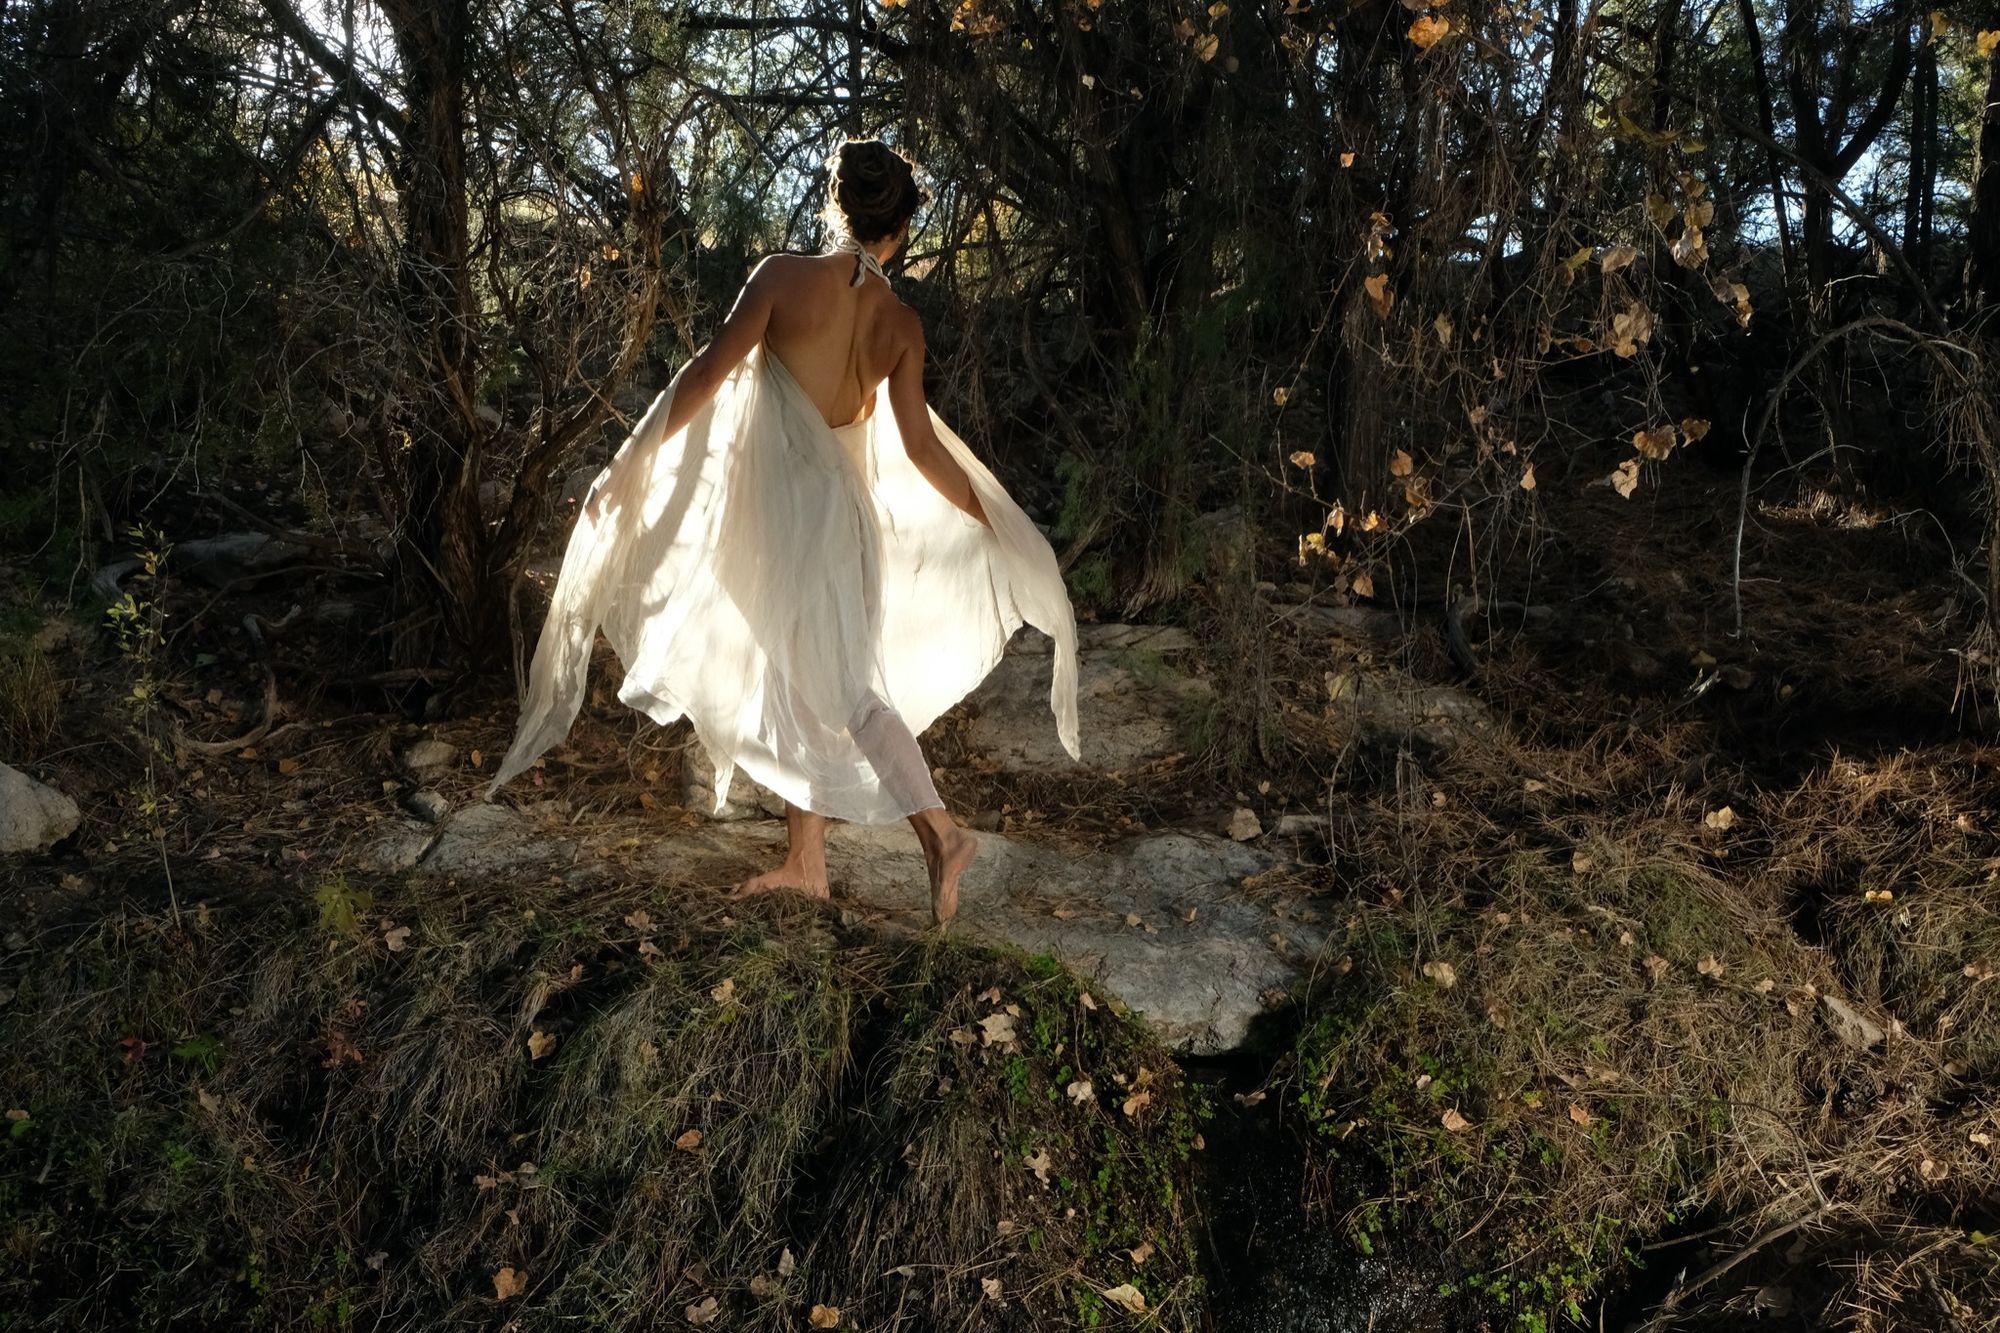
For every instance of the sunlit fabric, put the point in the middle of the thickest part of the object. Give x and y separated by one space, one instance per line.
800 593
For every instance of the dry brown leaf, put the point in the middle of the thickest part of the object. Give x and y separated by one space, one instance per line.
1400 464
1528 478
1363 585
1657 967
1711 967
1655 444
1080 1092
1039 1163
508 1284
1453 1121
398 939
1442 326
540 1043
825 1316
1617 257
1302 458
1579 1115
989 1287
1142 1254
1137 1102
1205 46
704 1312
1379 295
1720 820
1625 479
1444 974
725 992
1428 31
689 1141
997 1030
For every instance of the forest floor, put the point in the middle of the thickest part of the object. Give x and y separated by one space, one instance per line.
1632 973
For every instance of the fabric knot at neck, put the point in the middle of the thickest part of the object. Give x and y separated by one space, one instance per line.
864 262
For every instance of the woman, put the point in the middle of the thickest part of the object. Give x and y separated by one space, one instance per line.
809 595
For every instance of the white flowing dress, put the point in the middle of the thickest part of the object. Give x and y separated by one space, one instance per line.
799 592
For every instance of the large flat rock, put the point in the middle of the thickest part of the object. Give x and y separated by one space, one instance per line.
1161 923
1133 698
33 816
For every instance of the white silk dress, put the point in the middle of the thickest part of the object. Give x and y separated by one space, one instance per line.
799 592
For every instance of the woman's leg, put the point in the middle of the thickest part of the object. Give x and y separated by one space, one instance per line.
885 740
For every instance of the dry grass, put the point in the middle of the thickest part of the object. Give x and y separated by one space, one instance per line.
266 1115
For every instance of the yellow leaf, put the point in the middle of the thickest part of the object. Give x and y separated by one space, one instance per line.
1577 260
1988 41
1724 818
540 1043
508 1284
1126 1297
1399 464
825 1316
1218 9
1303 458
1428 31
1626 479
1363 585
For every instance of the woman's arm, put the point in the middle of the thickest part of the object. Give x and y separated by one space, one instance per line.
743 330
913 420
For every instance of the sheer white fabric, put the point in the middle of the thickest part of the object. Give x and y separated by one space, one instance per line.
799 592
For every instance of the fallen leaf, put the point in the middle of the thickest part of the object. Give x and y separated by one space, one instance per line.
786 1263
1126 1296
1205 46
1617 257
1711 967
1379 294
1453 1121
1249 1099
1528 478
825 1316
397 939
1724 818
997 1030
508 1284
1080 1091
1133 919
1039 1163
990 1288
689 1141
725 992
701 1314
1400 464
639 920
1444 974
1657 967
540 1043
1137 1102
1085 999
1579 1115
1142 1254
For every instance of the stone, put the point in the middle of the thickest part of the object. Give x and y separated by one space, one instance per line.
1133 697
33 816
429 756
427 805
491 839
1850 1024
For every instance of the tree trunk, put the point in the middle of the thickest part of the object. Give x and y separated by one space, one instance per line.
1982 239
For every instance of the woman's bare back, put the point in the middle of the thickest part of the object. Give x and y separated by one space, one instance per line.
838 341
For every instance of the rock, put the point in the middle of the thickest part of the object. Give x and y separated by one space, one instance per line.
1132 696
490 839
235 555
1380 703
429 756
1301 826
427 805
33 816
1850 1024
1243 825
1200 984
745 800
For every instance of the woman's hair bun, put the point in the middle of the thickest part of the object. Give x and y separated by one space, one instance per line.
872 189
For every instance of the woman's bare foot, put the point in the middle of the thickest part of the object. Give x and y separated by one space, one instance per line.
946 855
804 870
797 878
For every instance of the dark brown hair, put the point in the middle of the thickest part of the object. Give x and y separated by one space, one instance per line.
872 188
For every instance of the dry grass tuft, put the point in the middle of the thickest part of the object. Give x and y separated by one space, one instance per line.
285 1111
